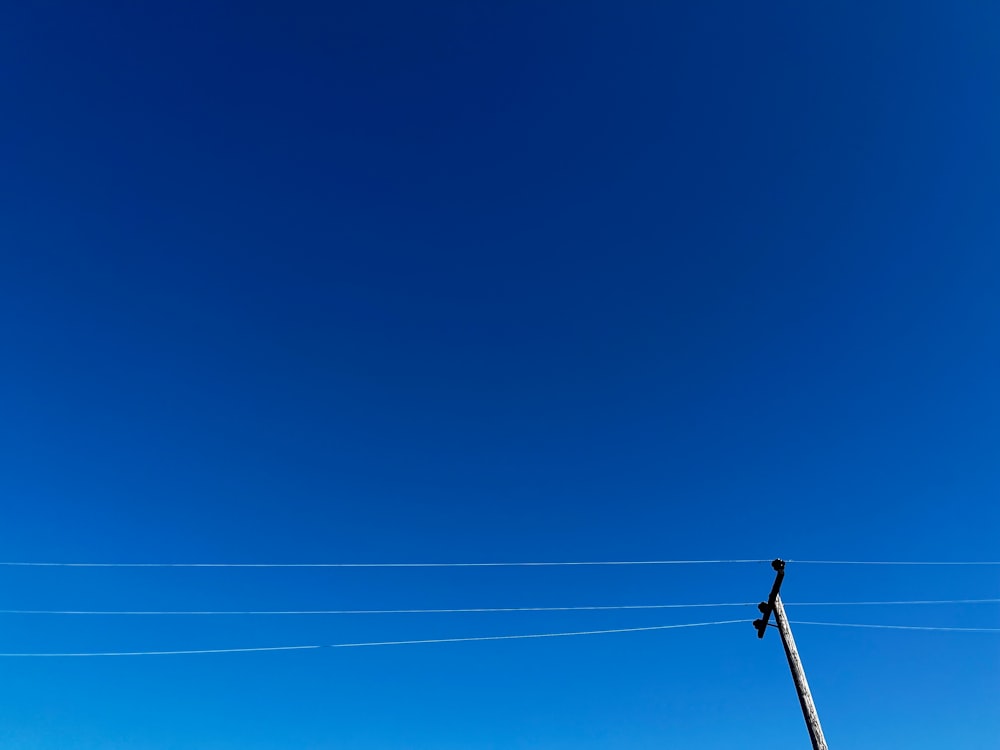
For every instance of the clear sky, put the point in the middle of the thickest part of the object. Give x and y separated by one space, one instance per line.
379 282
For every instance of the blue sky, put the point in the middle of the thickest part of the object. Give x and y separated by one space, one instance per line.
383 282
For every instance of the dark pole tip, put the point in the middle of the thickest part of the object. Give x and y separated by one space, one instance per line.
778 564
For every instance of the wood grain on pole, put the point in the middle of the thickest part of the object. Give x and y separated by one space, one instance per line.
799 676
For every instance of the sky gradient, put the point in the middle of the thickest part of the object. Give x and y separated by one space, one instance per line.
380 282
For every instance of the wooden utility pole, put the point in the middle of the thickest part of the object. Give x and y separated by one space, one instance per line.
773 604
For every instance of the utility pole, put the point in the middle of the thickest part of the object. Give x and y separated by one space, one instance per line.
773 604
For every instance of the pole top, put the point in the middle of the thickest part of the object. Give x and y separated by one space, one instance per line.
766 608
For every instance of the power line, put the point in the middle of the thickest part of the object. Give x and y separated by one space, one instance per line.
371 611
459 610
889 562
893 603
471 639
373 565
379 643
539 564
896 627
170 653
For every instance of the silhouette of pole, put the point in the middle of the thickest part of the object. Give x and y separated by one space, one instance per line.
773 604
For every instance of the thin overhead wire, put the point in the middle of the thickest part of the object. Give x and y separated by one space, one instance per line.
895 627
362 644
889 562
460 610
538 564
893 603
373 565
169 653
370 611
